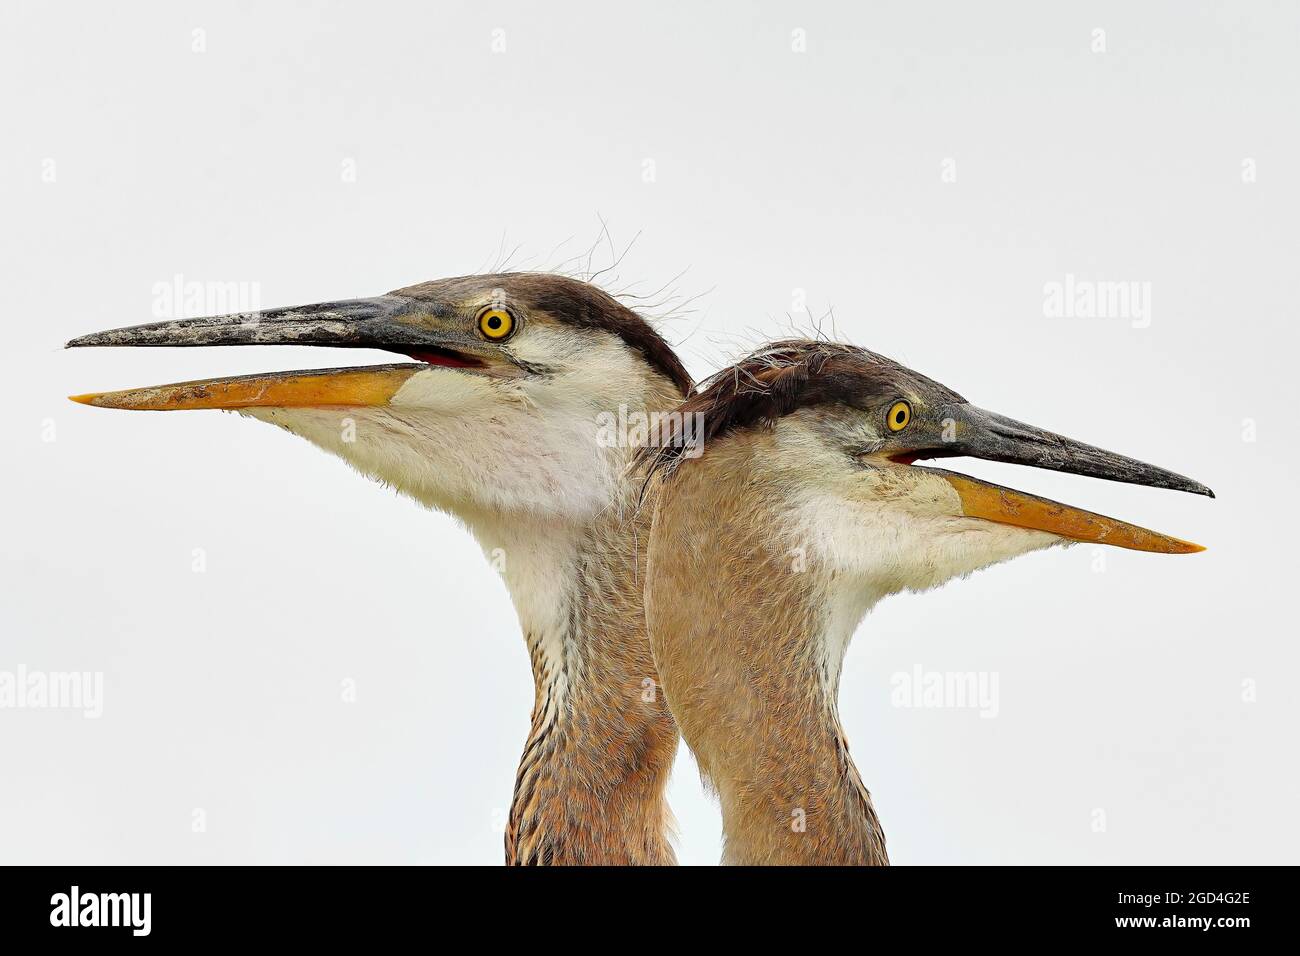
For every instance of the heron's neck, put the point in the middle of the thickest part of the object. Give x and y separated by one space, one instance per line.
749 642
591 782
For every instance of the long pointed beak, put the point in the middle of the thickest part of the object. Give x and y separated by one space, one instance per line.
321 388
988 435
392 322
972 431
362 323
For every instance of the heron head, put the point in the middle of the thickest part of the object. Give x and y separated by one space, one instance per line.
494 408
828 437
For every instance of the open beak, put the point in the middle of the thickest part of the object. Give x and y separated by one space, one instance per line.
393 323
972 431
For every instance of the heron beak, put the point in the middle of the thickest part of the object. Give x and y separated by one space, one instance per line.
393 323
981 434
317 389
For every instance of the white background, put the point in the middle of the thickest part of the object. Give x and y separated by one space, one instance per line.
1124 692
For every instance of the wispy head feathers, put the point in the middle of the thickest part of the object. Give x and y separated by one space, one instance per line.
776 380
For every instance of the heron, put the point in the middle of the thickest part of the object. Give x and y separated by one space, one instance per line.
802 508
492 417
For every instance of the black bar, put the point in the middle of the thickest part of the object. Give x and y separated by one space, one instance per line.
209 905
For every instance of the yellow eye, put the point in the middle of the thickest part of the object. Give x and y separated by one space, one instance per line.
496 323
900 413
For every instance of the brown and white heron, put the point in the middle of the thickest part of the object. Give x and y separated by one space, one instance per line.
498 421
804 509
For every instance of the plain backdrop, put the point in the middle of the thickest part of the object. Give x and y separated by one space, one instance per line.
925 171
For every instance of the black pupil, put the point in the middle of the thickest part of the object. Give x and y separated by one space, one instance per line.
900 416
494 322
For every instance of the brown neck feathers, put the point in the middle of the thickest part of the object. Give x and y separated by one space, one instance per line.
591 782
739 636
